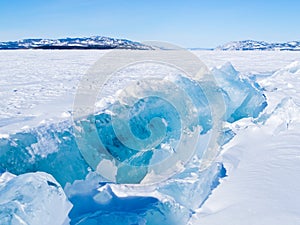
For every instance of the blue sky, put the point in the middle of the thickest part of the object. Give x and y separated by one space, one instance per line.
189 23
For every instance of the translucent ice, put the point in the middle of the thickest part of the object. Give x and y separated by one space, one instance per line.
242 98
32 199
98 202
53 148
49 148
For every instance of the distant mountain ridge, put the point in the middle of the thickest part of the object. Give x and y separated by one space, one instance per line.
248 45
101 42
96 42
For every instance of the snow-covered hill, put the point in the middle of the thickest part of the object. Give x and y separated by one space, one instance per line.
96 42
259 45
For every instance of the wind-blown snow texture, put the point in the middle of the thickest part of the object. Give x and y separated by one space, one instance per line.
260 138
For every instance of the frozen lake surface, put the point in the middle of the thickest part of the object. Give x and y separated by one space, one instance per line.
40 85
262 161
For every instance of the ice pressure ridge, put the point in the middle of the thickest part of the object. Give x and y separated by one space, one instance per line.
53 149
